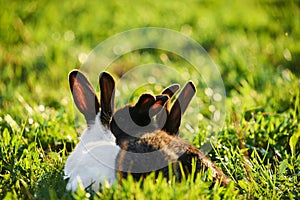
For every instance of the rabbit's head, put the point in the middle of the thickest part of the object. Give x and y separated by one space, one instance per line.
152 113
96 114
132 121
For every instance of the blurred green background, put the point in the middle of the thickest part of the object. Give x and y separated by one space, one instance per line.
256 45
41 41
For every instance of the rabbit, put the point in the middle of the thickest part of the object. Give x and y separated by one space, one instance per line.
149 143
93 160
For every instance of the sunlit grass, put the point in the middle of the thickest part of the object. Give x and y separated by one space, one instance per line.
254 44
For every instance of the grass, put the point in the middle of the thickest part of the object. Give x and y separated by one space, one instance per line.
255 44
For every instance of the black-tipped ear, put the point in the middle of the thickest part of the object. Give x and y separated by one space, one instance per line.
179 107
84 96
107 96
171 90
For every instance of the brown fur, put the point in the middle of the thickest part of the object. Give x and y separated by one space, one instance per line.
169 150
149 143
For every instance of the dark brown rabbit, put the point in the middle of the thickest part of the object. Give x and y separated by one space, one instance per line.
149 143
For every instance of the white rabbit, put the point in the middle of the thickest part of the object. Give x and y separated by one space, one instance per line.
93 160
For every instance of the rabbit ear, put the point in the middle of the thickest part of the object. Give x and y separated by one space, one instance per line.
107 94
140 111
159 110
146 108
171 90
147 103
158 105
144 103
179 107
84 96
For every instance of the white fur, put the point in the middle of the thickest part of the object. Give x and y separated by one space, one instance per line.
93 160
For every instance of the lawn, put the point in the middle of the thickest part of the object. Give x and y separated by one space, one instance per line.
254 44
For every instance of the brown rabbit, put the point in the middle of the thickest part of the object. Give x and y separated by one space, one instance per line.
149 143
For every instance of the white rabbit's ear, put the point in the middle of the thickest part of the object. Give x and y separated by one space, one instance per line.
107 96
179 107
171 90
84 96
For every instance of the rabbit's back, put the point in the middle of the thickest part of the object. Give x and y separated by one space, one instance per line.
154 152
93 160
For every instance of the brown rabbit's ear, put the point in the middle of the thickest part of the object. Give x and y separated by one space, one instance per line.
144 103
158 105
140 111
179 107
150 104
107 96
84 96
171 90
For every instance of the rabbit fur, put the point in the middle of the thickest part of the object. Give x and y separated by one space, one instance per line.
93 160
150 142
